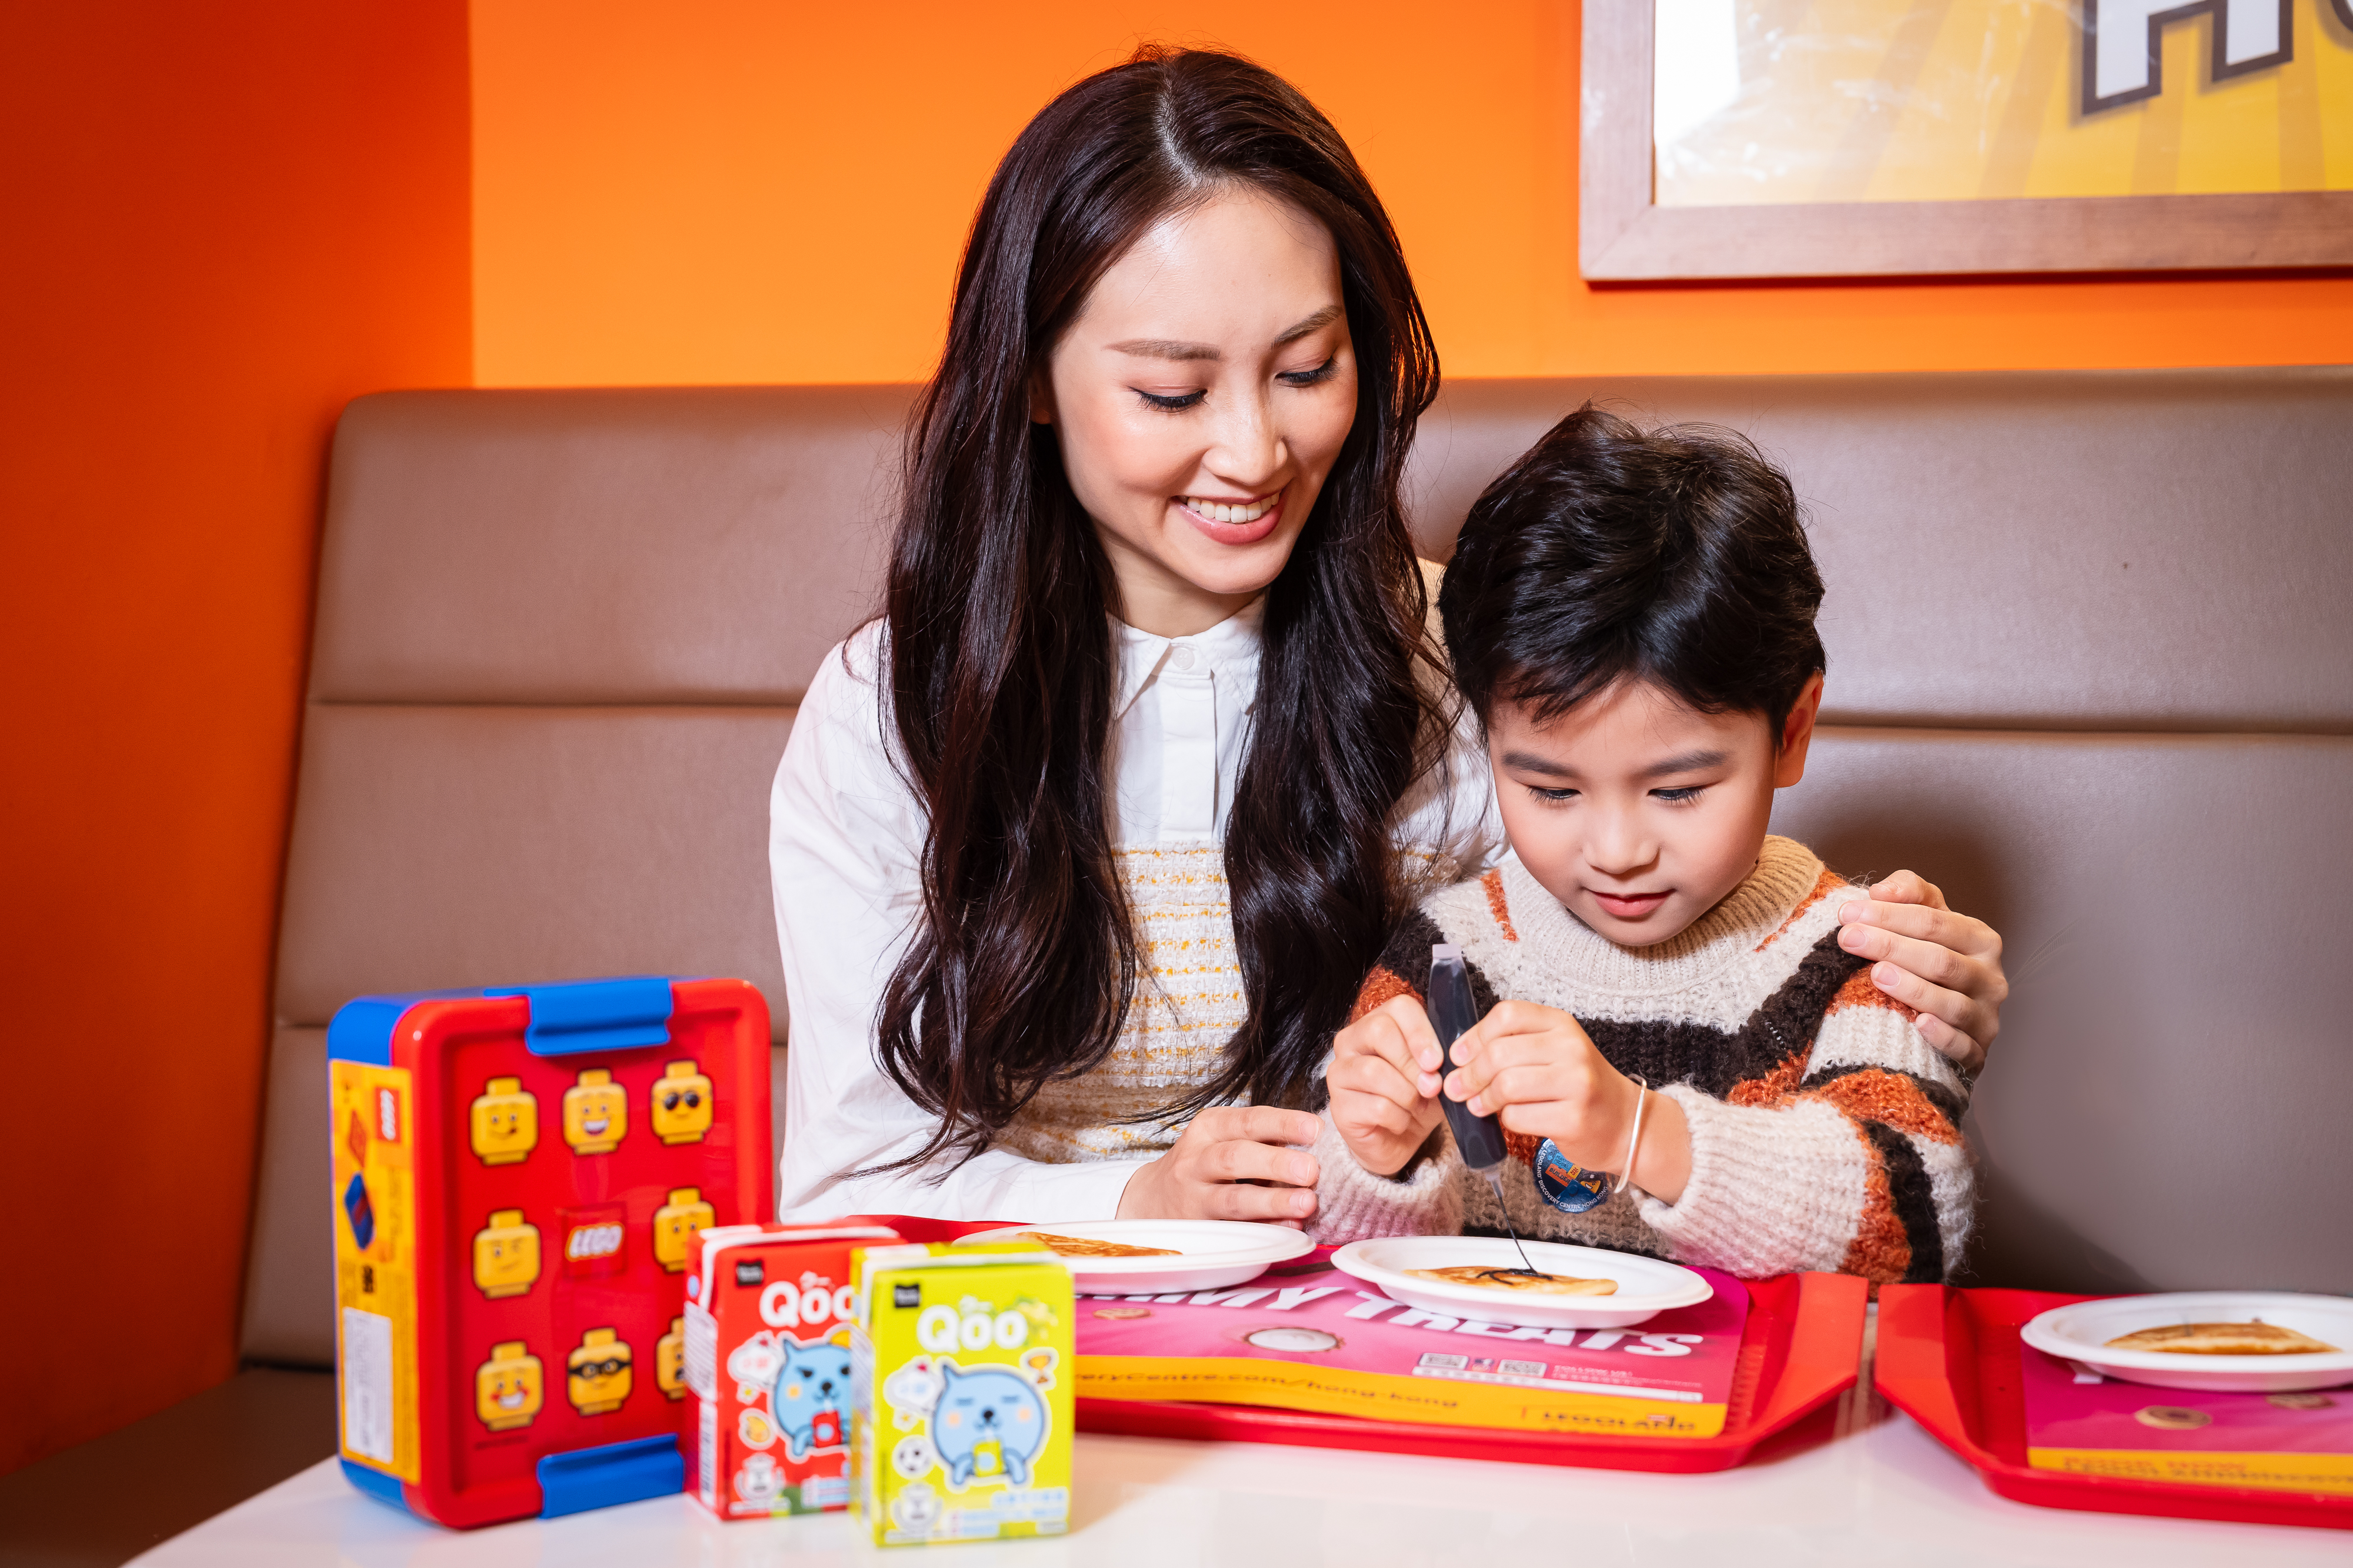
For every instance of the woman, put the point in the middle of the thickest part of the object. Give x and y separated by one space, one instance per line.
1081 849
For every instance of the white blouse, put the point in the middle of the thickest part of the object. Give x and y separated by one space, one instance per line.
845 843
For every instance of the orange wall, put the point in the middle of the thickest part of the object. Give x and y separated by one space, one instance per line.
223 221
744 190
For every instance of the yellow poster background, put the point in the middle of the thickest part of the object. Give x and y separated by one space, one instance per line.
1893 101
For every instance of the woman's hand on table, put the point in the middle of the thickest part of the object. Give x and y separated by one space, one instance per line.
1946 965
1238 1162
1384 1080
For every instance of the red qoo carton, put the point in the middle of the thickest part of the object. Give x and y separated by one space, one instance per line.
768 1310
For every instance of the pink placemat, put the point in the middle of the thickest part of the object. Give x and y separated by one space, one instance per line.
1305 1336
2295 1442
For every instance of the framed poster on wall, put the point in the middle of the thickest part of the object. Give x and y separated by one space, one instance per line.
1824 138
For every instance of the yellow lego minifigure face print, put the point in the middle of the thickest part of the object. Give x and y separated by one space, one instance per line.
598 1373
506 1255
504 1122
681 1104
509 1388
595 1113
669 1360
677 1223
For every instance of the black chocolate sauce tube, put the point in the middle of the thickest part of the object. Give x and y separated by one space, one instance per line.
1451 1013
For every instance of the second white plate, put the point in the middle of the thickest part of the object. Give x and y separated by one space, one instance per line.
1210 1253
1646 1287
2082 1332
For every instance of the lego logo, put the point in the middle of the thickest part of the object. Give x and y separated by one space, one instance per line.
387 1115
592 1241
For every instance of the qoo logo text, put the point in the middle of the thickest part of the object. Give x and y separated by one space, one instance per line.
942 1329
592 1241
785 1305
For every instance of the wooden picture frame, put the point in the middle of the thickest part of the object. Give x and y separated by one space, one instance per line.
1623 236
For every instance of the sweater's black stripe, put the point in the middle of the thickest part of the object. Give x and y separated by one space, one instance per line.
1948 1103
1788 1019
1713 1061
1915 1205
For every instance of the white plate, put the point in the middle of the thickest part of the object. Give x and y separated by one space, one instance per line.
1645 1286
2081 1333
1211 1252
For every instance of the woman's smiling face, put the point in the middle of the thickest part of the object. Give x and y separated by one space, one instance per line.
1200 398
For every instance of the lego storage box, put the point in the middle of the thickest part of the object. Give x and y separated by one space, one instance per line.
768 1308
520 1176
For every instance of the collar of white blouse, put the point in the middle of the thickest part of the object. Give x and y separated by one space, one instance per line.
1230 648
1182 718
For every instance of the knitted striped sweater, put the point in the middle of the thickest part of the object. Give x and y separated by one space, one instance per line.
1824 1130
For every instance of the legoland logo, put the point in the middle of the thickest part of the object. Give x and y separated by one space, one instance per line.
786 1305
592 1241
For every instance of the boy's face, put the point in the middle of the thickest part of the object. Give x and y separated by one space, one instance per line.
1638 812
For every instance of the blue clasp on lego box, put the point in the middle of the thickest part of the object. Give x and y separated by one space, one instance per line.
576 1015
615 1473
567 1017
572 1482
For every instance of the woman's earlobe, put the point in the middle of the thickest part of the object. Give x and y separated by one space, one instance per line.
1041 401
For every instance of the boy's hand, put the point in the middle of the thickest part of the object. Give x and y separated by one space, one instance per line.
1536 1066
1384 1081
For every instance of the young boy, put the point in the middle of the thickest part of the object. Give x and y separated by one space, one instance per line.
1632 616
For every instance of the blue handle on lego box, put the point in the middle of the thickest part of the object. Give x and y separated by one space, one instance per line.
576 1015
567 1017
614 1473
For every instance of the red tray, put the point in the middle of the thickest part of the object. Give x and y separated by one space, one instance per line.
1949 1359
1798 1353
1800 1350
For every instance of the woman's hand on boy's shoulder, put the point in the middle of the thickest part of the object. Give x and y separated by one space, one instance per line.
1946 966
1384 1081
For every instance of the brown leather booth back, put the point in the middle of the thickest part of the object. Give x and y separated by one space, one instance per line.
2089 672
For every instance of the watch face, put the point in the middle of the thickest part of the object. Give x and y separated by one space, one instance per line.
1565 1184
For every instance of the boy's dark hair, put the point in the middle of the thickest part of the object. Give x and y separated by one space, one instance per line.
1674 555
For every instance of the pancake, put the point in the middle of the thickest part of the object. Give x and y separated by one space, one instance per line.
1514 1279
1083 1246
2222 1338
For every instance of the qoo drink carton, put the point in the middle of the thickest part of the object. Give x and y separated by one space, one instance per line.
768 1308
518 1177
961 1373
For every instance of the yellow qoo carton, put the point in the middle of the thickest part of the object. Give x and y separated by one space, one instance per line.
961 1378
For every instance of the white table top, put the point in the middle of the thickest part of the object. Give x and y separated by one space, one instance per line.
1884 1494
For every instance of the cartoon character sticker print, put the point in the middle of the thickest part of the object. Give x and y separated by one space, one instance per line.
759 1482
682 1103
812 1391
753 1365
503 1122
988 1424
595 1113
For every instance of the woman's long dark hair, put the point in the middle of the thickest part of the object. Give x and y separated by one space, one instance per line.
1023 961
